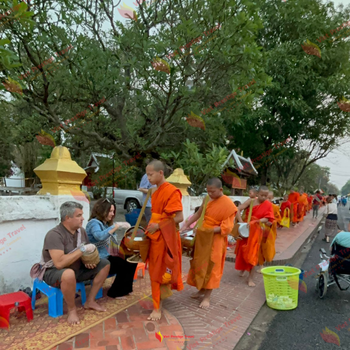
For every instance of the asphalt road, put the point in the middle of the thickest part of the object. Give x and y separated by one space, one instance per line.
301 328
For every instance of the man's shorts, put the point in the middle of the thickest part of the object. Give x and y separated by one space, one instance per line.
53 276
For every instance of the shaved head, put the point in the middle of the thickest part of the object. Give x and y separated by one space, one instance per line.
215 182
263 194
155 172
157 165
214 188
253 192
263 188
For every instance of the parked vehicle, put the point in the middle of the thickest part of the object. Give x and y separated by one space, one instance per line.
129 199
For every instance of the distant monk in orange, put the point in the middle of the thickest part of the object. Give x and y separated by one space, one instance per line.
309 200
165 247
247 249
306 205
216 218
267 248
294 198
284 205
302 204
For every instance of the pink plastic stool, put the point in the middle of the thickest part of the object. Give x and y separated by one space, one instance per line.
7 302
142 267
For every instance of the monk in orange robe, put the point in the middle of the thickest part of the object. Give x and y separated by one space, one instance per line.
207 265
302 203
267 247
294 198
284 205
309 200
247 249
306 206
165 245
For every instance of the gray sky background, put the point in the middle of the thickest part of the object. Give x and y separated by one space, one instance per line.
338 160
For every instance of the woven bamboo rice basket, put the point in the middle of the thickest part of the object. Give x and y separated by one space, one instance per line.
91 258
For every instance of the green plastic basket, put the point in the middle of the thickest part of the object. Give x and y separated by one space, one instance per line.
281 287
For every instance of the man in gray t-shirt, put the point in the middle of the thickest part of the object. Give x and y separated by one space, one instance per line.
68 267
145 185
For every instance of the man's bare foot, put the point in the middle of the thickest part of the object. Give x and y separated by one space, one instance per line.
155 315
205 303
73 317
241 274
197 295
94 306
259 269
251 283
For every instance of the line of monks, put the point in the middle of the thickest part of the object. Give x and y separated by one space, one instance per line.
215 219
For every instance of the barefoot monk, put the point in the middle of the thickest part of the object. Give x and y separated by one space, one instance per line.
215 221
267 248
165 246
247 251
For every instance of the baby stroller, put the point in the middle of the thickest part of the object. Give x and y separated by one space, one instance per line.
333 269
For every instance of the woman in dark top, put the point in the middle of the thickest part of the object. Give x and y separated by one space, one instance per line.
99 229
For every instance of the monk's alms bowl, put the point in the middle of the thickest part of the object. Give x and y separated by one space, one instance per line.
187 242
134 244
243 230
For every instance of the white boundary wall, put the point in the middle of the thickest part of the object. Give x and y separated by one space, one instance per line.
24 223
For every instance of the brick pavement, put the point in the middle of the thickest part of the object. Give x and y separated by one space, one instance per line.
233 307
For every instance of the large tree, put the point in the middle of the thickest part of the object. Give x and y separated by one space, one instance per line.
145 108
302 99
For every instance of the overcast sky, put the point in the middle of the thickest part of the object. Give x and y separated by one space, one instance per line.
339 160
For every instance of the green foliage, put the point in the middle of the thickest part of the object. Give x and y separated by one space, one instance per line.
302 100
198 166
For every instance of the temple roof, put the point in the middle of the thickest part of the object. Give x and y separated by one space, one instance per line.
238 162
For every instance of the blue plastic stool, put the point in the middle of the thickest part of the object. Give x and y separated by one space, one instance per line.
100 292
55 296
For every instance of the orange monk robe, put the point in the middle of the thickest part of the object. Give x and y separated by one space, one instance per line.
219 212
294 198
284 206
309 199
267 247
306 206
302 203
165 268
247 249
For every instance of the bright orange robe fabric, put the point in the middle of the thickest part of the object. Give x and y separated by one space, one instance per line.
166 200
219 212
306 207
302 203
284 206
247 249
267 247
294 198
309 199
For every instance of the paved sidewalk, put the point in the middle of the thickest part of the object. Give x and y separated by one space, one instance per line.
184 325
